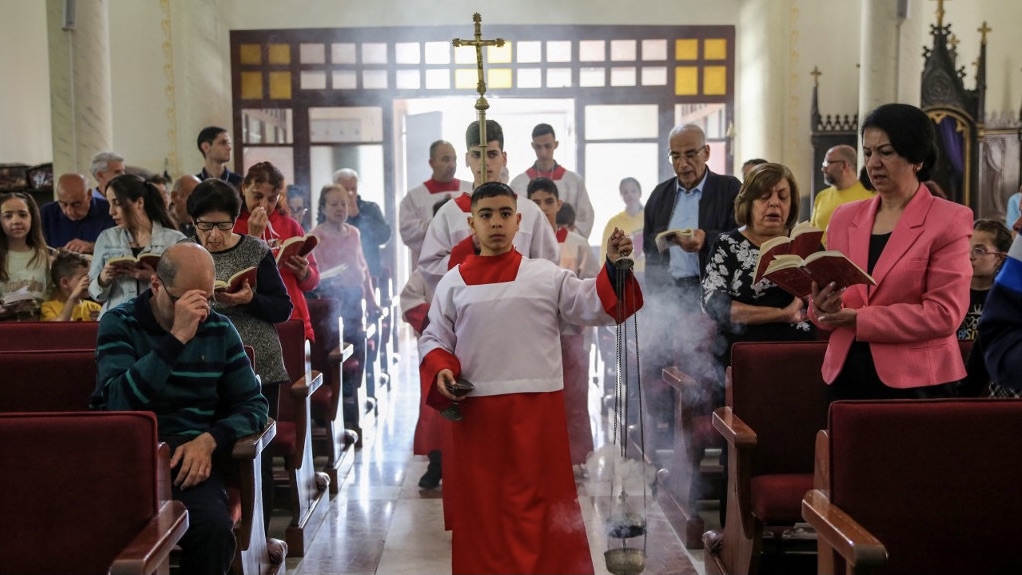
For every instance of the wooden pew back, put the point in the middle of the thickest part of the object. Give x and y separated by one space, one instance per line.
778 390
36 381
938 482
76 489
36 335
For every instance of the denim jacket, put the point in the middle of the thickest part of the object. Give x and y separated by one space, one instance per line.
116 242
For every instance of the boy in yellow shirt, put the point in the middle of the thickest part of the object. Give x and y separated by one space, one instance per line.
69 273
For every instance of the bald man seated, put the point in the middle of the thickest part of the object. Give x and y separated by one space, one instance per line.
179 203
76 218
167 352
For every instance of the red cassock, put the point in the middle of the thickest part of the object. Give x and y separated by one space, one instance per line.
509 492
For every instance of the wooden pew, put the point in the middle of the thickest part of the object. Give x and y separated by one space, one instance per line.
63 380
294 441
688 482
775 404
906 487
36 335
86 493
334 359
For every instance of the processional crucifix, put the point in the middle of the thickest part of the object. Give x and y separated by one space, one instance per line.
481 104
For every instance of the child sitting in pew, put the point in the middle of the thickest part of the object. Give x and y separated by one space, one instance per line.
69 273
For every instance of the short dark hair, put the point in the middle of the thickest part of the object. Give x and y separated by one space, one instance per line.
65 264
213 195
996 228
761 180
542 130
438 143
493 133
207 135
493 190
264 173
754 162
911 133
565 215
542 184
158 179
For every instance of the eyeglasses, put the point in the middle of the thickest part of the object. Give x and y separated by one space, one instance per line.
689 156
208 226
980 251
829 163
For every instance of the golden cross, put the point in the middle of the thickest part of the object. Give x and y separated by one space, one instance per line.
816 73
940 13
953 40
983 30
481 104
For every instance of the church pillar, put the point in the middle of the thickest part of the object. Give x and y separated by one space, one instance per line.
878 54
80 96
762 71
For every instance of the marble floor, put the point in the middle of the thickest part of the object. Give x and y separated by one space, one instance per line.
381 522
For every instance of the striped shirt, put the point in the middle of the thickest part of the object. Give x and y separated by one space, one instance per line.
206 385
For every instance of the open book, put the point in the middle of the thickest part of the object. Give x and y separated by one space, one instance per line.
18 295
803 241
237 281
143 261
332 272
665 239
796 275
296 246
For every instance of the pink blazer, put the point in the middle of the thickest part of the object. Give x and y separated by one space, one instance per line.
909 318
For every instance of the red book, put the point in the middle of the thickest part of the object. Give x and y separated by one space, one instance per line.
803 241
237 281
296 246
795 275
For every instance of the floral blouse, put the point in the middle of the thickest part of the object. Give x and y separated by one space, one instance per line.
728 278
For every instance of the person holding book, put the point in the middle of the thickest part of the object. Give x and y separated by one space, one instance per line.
340 253
494 322
69 273
143 227
24 258
746 309
897 339
261 299
264 216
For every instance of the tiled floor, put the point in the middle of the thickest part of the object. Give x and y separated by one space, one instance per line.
381 522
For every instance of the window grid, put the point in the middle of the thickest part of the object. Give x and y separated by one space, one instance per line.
694 66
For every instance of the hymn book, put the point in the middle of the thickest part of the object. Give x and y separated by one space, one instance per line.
296 246
804 240
665 239
143 261
236 282
795 275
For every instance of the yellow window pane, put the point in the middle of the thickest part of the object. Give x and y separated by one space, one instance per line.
466 78
715 80
502 55
498 78
280 54
251 54
280 85
715 49
686 49
686 80
251 86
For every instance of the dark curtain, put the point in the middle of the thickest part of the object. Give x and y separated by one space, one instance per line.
951 165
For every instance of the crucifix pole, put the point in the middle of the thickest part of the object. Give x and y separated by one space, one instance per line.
481 104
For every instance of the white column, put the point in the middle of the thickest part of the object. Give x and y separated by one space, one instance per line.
80 96
762 71
878 55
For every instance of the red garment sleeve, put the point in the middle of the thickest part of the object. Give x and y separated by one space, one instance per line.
630 296
418 317
461 251
434 362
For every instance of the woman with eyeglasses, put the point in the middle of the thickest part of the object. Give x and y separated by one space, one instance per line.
264 216
143 227
897 339
214 206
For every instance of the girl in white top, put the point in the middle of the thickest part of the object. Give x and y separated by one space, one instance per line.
24 258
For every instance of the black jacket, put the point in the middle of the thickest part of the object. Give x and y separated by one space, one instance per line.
716 216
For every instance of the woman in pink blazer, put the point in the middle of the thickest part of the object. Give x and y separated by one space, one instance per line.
897 339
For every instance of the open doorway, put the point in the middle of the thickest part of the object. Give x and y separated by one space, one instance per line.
419 122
